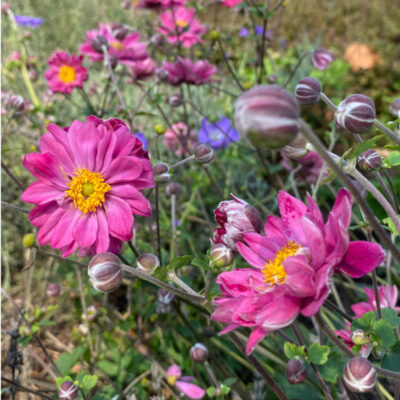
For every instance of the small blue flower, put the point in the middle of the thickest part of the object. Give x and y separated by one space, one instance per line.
244 32
219 134
143 139
25 20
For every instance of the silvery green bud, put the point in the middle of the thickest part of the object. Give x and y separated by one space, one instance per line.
17 103
296 149
395 107
68 391
359 337
148 263
308 90
203 153
161 173
295 372
105 272
175 100
221 256
173 188
199 353
369 161
359 375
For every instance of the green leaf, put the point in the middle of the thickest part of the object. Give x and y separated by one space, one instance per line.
211 391
67 360
389 222
292 351
199 262
391 359
333 367
390 315
108 367
61 379
393 158
384 332
318 354
179 262
365 322
225 389
88 382
364 146
230 381
46 322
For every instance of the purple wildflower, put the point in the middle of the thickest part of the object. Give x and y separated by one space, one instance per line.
218 134
26 20
143 139
244 32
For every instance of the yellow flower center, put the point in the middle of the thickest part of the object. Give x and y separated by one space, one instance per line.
273 270
172 379
182 23
87 190
117 45
67 74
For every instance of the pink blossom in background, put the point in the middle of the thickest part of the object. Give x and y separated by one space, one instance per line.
321 58
178 140
183 383
180 25
231 3
66 72
159 4
293 265
143 69
89 180
311 165
127 50
185 70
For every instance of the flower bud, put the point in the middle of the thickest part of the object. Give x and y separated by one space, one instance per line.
105 272
175 100
162 75
199 353
92 313
173 188
295 372
308 91
356 114
53 290
321 58
161 173
147 263
272 79
160 129
267 115
221 256
203 153
28 240
164 299
359 337
68 391
120 32
17 103
99 42
359 375
395 107
296 149
157 39
214 35
369 161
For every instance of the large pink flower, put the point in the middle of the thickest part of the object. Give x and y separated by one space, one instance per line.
180 25
126 48
185 70
179 139
294 262
66 72
88 188
183 383
143 69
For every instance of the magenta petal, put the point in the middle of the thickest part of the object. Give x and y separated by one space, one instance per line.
46 231
315 241
62 234
300 276
361 258
124 169
105 148
250 256
241 282
190 390
342 207
41 193
119 217
255 337
103 237
85 231
138 203
174 370
229 328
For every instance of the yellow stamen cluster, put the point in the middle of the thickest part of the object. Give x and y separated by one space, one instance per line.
87 190
117 45
181 23
273 270
172 380
66 74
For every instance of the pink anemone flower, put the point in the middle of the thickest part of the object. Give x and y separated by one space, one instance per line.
180 25
89 180
310 167
293 264
143 69
179 139
66 72
183 383
231 3
127 49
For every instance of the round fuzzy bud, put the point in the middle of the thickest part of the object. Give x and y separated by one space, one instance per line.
369 161
175 100
17 103
68 391
272 79
359 337
173 188
356 114
199 353
203 153
160 129
157 39
395 107
161 173
221 256
214 35
99 42
28 240
267 115
162 75
105 272
295 372
120 32
147 263
308 91
53 290
359 375
296 149
92 313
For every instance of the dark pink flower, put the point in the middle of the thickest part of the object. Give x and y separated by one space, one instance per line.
321 58
143 69
185 70
310 169
183 383
66 72
127 50
235 217
231 3
293 265
159 4
88 189
179 139
180 25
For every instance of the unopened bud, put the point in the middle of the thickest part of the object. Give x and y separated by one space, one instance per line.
359 337
203 153
199 353
356 114
175 100
308 91
295 372
17 103
296 149
162 75
359 375
147 263
221 256
160 129
99 42
272 79
161 173
105 272
214 35
395 107
53 290
28 240
92 313
369 161
68 391
173 188
120 32
157 39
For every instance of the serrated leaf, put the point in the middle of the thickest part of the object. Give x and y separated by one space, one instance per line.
318 354
365 322
384 332
179 262
389 222
293 351
364 146
230 381
391 362
393 158
333 367
108 367
225 389
61 379
88 382
67 360
199 262
211 391
390 315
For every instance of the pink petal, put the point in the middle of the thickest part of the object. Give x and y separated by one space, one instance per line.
342 207
255 337
138 203
103 237
119 217
63 232
240 282
41 193
40 214
314 212
361 258
250 256
190 390
46 231
174 370
124 169
105 148
229 328
273 229
85 230
300 276
315 241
